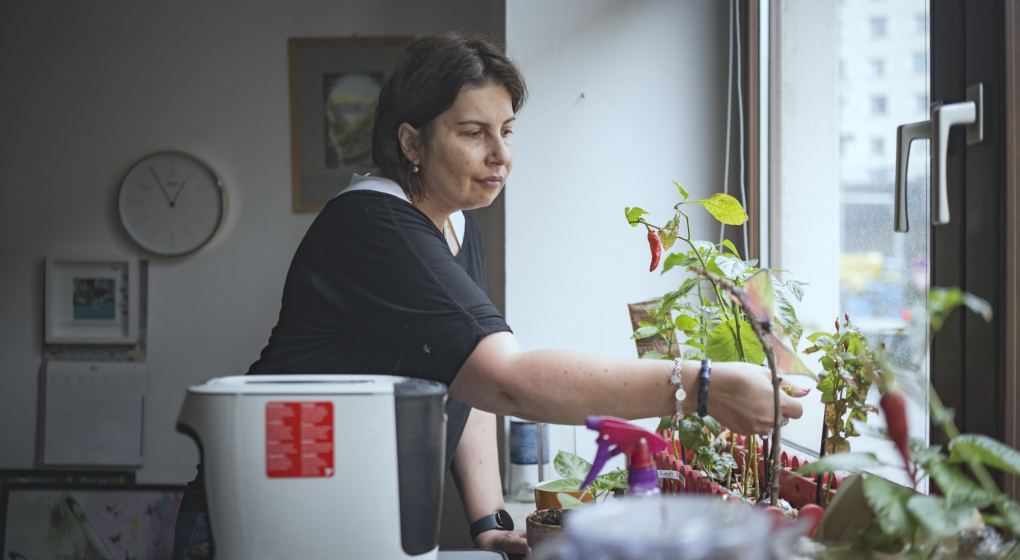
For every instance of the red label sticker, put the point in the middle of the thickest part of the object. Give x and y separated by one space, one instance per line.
299 439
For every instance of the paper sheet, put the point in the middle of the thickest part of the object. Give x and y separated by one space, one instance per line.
92 413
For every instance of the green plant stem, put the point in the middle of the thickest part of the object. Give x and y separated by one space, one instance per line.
715 286
984 478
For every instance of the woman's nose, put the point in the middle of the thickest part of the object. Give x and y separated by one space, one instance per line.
500 152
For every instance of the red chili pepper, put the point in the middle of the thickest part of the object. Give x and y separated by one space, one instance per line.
894 407
655 245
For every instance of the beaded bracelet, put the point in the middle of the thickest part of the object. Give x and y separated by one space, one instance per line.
680 394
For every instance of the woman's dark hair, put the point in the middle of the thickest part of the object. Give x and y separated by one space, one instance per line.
424 83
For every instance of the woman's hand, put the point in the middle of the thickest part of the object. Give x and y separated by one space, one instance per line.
741 398
510 542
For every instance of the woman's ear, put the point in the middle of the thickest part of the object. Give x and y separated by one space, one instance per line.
410 142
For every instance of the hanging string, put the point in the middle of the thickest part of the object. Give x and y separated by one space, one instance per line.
729 106
740 126
734 66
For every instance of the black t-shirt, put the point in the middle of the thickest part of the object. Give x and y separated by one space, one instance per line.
374 289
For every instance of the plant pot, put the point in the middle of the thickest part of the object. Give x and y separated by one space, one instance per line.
546 499
544 525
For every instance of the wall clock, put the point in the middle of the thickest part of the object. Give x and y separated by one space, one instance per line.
171 203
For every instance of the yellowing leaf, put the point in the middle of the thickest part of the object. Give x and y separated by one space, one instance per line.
724 208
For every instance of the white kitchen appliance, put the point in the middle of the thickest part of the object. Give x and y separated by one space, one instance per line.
320 466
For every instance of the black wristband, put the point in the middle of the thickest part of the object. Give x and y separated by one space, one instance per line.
704 378
499 520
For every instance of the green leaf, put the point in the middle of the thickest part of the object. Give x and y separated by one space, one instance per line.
561 485
722 346
685 323
938 517
683 191
668 233
731 267
614 479
690 431
645 332
786 316
568 501
796 288
729 245
724 208
827 386
713 425
568 465
991 452
634 215
678 259
888 500
817 338
956 486
654 355
706 248
842 462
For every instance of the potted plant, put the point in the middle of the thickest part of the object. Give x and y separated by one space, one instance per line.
894 519
547 520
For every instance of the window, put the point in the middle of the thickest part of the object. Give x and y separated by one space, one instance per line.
877 26
921 63
879 105
877 67
921 23
922 103
877 146
834 178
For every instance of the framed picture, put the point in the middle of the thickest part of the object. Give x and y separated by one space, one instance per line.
91 301
334 85
86 521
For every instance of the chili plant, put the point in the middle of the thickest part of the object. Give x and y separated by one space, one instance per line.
699 319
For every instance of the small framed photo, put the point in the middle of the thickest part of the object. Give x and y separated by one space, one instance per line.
334 86
91 301
88 521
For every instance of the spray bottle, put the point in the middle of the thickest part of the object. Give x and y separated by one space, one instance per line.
617 436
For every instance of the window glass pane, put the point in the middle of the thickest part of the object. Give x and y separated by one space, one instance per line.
831 196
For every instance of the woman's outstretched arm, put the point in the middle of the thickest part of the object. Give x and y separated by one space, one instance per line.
564 387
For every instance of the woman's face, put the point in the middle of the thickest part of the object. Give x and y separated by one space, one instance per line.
468 157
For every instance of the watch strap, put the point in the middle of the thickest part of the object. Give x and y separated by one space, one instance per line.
498 520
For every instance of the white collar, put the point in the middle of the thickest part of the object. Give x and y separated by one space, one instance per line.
390 187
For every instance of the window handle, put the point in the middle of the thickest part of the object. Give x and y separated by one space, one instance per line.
905 134
943 117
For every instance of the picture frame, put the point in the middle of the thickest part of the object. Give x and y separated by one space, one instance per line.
334 85
87 521
91 300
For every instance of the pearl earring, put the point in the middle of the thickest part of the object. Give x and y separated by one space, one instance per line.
415 168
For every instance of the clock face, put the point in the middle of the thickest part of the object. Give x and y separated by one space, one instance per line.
170 203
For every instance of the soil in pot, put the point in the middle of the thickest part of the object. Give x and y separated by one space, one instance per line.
543 525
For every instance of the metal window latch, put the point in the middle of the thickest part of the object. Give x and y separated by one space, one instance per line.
943 117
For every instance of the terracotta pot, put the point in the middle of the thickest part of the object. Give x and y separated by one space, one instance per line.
539 532
546 499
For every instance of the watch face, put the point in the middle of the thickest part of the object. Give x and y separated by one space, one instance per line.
170 203
505 521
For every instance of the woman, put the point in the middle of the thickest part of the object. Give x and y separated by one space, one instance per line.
390 279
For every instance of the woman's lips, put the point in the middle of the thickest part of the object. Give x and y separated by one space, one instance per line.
492 182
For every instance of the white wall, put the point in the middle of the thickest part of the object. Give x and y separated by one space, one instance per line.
625 97
87 88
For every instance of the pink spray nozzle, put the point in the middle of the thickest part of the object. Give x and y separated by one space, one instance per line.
617 436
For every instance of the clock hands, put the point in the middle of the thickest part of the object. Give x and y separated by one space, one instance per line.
181 188
161 187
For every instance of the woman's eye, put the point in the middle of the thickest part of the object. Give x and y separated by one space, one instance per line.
474 133
507 133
